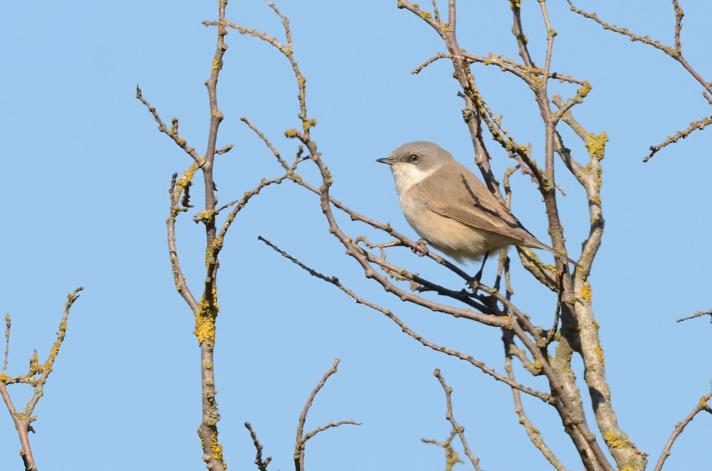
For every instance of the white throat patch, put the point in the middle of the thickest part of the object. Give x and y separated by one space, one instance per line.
406 175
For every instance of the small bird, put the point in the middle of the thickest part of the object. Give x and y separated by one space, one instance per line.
451 208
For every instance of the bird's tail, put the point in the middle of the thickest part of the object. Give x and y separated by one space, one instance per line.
535 244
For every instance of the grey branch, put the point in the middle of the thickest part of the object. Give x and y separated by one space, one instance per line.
36 377
457 429
407 330
262 464
301 438
702 405
696 315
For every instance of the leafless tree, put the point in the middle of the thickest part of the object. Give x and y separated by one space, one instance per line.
217 221
676 53
36 377
673 51
547 351
542 350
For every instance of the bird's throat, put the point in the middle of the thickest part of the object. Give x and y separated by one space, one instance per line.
406 175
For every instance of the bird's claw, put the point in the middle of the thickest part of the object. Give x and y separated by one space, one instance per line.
421 248
474 282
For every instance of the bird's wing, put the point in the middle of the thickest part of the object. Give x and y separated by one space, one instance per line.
477 221
470 203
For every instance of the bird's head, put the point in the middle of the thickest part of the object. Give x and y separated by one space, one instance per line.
415 161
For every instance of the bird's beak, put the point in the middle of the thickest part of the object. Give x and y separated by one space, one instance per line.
385 160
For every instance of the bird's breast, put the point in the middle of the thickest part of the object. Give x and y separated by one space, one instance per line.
449 236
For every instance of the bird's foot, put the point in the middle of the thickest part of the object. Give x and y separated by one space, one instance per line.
421 248
474 282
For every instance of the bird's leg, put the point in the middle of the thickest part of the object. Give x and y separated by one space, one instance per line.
475 281
421 247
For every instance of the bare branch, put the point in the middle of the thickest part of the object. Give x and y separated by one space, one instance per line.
679 14
673 52
171 132
36 377
266 142
702 405
623 31
456 427
451 456
262 464
179 186
697 125
407 330
8 326
532 431
696 315
327 426
301 439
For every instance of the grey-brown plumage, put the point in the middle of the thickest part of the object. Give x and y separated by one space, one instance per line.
451 208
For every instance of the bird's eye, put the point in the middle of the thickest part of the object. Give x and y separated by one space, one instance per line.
413 157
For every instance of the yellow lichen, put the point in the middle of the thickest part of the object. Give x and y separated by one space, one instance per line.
205 216
3 377
599 179
583 90
216 448
35 364
204 329
599 354
205 318
451 458
187 176
596 145
615 440
538 364
424 15
704 401
586 293
212 251
291 133
309 123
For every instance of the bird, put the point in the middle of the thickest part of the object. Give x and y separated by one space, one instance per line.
450 208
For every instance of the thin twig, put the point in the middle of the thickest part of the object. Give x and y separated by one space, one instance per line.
171 132
702 405
532 431
262 464
407 330
8 326
301 439
697 125
456 427
696 315
36 377
679 14
675 52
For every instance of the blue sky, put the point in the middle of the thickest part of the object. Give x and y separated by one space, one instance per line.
83 193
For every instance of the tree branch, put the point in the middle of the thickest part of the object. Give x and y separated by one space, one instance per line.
702 405
262 464
457 429
301 439
36 377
